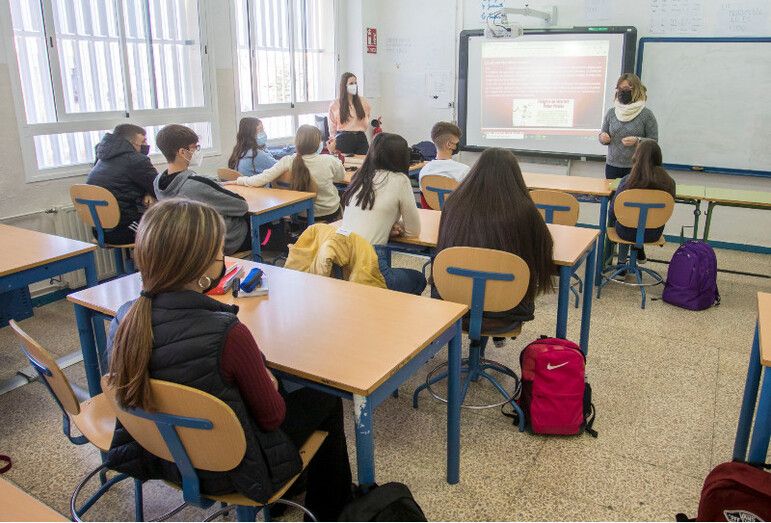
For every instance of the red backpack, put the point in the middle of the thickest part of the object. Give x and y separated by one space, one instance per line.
556 397
735 491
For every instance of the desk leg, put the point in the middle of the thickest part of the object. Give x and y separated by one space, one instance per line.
84 320
601 240
365 444
586 311
310 214
696 214
91 276
708 221
453 405
563 300
256 240
748 403
762 429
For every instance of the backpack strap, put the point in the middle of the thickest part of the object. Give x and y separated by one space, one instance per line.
683 517
590 422
8 463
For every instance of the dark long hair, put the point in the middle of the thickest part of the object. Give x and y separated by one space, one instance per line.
342 99
246 140
492 209
306 142
388 152
647 172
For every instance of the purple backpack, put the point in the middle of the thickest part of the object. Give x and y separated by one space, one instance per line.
692 277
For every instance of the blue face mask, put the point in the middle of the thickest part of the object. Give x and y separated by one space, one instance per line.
262 139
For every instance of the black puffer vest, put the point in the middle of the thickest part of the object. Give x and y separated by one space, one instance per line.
189 331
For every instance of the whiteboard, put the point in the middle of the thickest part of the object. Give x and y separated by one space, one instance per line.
710 97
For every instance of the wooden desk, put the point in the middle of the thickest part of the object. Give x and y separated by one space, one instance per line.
760 364
355 161
31 256
733 198
298 327
267 205
582 185
17 505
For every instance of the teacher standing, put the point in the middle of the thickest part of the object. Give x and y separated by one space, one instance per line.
349 117
628 122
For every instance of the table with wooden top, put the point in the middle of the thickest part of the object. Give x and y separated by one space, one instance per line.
572 245
17 505
267 205
715 196
31 256
760 363
358 159
347 339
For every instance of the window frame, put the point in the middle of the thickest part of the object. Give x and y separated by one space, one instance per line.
75 122
293 109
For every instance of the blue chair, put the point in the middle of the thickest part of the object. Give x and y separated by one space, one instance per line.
93 417
560 208
639 209
98 208
487 281
436 189
195 430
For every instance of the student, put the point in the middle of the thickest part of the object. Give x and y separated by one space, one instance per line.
310 171
646 173
625 124
123 168
179 144
446 137
349 117
377 199
250 155
174 332
492 209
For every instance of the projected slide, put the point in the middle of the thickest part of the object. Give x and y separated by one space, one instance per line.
541 92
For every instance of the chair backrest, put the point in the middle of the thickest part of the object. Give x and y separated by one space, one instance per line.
96 206
189 427
556 206
643 209
227 175
483 279
50 372
436 189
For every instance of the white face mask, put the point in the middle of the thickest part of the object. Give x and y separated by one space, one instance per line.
196 159
320 148
353 89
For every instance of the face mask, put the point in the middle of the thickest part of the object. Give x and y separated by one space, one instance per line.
196 159
625 97
353 89
144 149
262 139
320 148
216 280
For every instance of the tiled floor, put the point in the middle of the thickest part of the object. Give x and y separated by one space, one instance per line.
667 386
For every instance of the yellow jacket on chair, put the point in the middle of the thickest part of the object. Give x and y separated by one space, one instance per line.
321 246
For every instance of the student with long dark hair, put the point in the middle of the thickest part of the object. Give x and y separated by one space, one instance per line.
349 117
379 203
492 209
309 171
647 173
174 332
250 156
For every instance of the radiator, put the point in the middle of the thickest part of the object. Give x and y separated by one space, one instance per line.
65 222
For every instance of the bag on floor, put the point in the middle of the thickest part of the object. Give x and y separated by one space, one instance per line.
735 491
692 277
389 502
555 398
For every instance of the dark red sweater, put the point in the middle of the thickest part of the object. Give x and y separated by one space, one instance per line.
243 364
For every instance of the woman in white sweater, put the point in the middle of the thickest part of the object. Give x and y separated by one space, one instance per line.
309 171
379 203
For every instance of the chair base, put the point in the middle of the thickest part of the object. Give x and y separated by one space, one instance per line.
611 273
76 513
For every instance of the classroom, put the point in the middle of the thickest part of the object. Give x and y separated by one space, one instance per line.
368 260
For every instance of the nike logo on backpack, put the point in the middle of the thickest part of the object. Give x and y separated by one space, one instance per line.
549 366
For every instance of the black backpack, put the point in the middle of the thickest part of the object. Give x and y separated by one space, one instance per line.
389 502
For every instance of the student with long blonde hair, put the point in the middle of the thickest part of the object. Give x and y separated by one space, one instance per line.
174 332
309 171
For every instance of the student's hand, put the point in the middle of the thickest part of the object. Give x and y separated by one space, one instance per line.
273 379
604 138
148 200
630 141
397 230
332 145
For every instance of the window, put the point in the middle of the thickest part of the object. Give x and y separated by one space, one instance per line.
286 60
86 65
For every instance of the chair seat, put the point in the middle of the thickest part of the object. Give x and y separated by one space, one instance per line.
114 246
307 451
614 237
96 421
